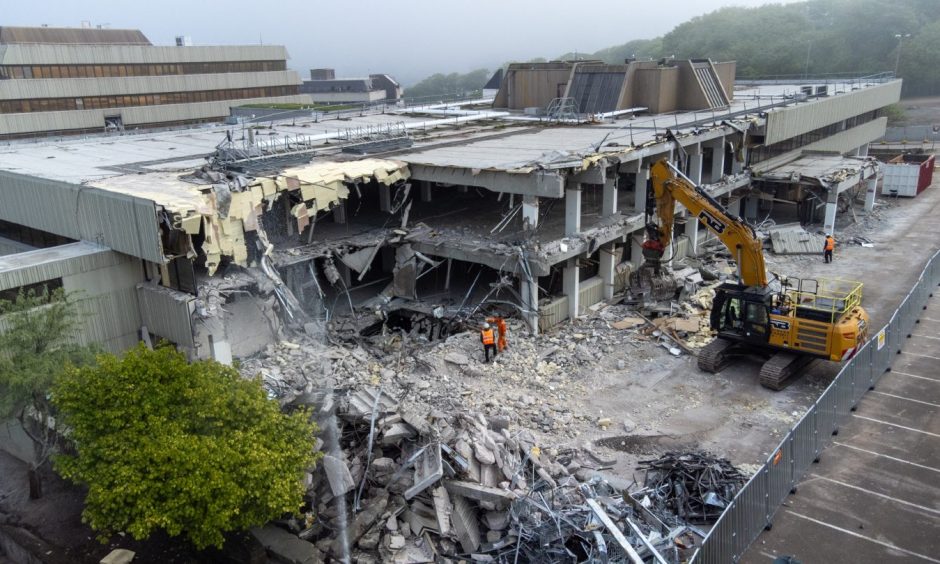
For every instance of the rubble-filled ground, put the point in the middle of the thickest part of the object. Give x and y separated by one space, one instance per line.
595 396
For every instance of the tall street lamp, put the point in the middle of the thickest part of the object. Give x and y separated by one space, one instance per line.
900 37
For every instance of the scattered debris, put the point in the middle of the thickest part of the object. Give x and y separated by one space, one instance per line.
692 487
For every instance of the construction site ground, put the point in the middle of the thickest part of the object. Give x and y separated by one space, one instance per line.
561 384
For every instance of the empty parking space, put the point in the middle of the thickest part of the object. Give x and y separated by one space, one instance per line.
874 496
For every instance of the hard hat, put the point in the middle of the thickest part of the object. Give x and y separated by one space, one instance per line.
486 325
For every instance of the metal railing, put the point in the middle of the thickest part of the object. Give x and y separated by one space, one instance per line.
753 508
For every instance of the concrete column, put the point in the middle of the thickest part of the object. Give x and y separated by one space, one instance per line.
572 209
609 205
639 188
691 231
571 285
695 167
734 207
425 191
832 205
608 255
863 150
636 251
871 191
718 161
750 207
385 198
530 212
339 213
530 301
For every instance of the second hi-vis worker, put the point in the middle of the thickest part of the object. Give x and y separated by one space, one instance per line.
828 247
501 332
488 338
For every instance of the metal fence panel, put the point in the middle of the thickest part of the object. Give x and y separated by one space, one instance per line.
752 508
779 476
804 444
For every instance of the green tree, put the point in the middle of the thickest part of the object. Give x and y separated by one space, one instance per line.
189 448
35 349
448 84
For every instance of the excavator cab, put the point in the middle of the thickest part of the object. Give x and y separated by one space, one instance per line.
741 314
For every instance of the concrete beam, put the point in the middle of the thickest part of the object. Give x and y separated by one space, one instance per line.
542 183
691 231
871 191
639 187
572 209
594 175
530 212
750 208
695 167
571 286
530 301
607 269
609 204
718 160
832 206
636 251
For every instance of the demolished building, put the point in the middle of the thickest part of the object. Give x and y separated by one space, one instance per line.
427 216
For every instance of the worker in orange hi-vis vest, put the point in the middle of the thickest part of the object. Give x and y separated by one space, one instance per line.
828 247
488 338
501 331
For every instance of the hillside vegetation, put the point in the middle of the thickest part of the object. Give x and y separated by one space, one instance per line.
803 38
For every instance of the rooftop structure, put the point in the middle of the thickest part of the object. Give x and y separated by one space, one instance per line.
316 217
324 87
65 80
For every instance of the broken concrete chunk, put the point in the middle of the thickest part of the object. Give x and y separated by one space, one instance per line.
465 524
397 433
496 520
338 474
283 546
483 454
396 542
478 492
429 468
118 556
442 509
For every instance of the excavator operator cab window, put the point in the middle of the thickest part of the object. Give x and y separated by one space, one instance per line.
732 315
756 319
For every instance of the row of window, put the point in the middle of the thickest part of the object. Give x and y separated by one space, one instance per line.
97 102
161 69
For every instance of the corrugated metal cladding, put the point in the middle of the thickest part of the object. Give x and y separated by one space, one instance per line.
72 36
596 92
41 265
785 123
167 313
124 223
111 319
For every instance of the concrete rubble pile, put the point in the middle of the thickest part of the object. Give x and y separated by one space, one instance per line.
418 485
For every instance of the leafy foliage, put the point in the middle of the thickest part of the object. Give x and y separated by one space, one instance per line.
190 448
449 84
34 350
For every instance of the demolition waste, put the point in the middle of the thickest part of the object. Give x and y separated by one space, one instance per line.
434 455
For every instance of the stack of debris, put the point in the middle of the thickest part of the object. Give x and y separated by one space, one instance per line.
414 486
692 487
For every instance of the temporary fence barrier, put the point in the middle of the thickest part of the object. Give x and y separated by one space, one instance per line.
753 508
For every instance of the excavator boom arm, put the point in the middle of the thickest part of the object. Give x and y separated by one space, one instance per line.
670 186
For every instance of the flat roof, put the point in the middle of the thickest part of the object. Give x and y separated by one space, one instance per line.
473 146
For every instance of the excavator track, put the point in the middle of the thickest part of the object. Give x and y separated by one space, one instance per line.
777 372
712 357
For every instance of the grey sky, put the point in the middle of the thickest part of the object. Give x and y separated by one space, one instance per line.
406 38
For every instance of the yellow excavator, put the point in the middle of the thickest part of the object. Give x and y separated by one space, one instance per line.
790 326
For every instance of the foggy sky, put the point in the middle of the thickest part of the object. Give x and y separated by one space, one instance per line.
409 39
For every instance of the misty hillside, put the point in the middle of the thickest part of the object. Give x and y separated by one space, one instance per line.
814 37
